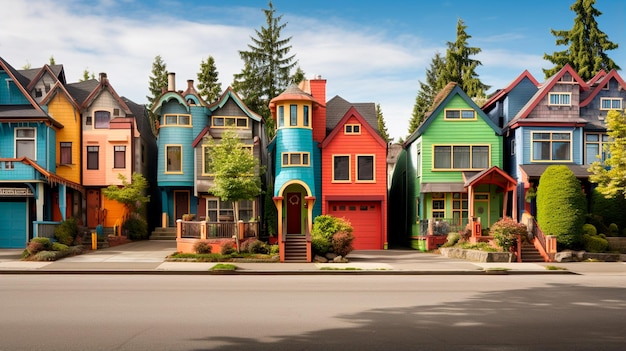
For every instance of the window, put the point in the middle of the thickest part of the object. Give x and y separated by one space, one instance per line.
595 144
512 147
610 104
119 156
341 168
459 114
228 122
102 119
88 121
438 205
459 208
116 112
281 116
352 129
551 146
177 120
92 157
38 92
365 168
305 115
25 143
295 159
219 211
206 159
293 115
66 153
174 159
462 157
560 99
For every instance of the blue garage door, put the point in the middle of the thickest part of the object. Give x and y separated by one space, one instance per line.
13 216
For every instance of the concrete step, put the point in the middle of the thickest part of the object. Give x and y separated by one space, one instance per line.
163 234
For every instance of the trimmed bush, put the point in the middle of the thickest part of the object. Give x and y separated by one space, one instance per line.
506 231
66 232
202 247
595 243
228 248
342 243
452 239
561 206
324 228
613 229
589 229
45 242
59 247
597 222
609 210
136 227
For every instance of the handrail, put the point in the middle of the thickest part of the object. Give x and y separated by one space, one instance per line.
546 245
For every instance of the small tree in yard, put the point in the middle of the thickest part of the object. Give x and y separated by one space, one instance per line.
561 205
235 171
611 175
132 196
331 234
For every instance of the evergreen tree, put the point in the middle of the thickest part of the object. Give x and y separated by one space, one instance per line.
382 128
459 67
611 176
586 44
267 67
427 92
299 76
52 61
208 83
87 76
27 66
158 80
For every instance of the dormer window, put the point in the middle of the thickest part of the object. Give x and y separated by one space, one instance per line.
610 104
229 122
458 114
352 129
560 99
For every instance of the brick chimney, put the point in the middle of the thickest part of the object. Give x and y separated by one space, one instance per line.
318 91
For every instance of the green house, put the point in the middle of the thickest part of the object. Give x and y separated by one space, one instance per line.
449 177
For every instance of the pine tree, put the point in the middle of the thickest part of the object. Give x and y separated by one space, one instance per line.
267 67
299 76
208 83
586 44
158 80
459 67
52 61
87 76
611 175
427 92
382 128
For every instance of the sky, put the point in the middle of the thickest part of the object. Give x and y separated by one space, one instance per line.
368 51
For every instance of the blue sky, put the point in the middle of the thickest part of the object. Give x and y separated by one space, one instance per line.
369 51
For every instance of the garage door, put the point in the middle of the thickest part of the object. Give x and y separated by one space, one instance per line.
366 221
13 217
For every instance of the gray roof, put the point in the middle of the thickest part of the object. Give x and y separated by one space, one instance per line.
536 170
337 107
21 111
81 90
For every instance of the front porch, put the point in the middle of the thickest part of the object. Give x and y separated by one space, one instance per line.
188 233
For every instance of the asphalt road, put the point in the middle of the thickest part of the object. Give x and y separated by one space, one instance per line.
230 312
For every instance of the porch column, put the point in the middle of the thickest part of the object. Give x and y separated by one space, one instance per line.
62 200
40 199
505 202
515 203
470 213
278 202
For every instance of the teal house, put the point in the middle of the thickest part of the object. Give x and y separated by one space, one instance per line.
449 175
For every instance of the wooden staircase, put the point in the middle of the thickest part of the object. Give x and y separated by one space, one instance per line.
530 253
295 248
161 233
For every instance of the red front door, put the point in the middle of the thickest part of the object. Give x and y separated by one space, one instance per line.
93 208
294 215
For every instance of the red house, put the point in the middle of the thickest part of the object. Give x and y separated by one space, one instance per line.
354 171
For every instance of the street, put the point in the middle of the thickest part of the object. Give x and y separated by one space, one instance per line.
342 312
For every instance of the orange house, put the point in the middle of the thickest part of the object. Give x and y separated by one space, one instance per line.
354 172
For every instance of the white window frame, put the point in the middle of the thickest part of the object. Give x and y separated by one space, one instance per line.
611 101
561 97
25 138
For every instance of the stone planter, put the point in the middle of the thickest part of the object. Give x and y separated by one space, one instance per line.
476 255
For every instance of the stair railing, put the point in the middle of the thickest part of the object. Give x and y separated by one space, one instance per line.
545 244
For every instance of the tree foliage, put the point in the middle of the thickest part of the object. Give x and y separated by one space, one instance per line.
586 44
611 176
158 80
208 82
561 205
131 195
427 92
267 67
87 76
382 128
459 67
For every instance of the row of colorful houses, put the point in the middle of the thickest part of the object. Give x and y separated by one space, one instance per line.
62 143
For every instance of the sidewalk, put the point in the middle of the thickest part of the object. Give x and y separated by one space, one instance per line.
148 257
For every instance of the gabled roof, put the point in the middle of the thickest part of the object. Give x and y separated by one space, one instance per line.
17 76
56 71
503 92
102 86
440 101
353 112
545 89
59 88
597 77
81 90
142 120
492 175
293 93
229 93
602 82
337 107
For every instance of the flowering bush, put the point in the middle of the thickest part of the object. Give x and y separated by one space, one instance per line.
506 231
202 247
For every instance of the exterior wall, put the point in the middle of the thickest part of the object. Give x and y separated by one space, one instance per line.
576 143
116 212
294 140
543 110
517 98
176 135
11 96
63 111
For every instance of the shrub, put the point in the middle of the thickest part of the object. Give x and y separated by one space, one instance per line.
34 247
274 250
228 248
46 256
610 210
136 228
254 246
452 239
66 232
59 247
597 222
45 242
589 229
561 205
202 247
595 243
506 231
613 229
324 227
342 243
